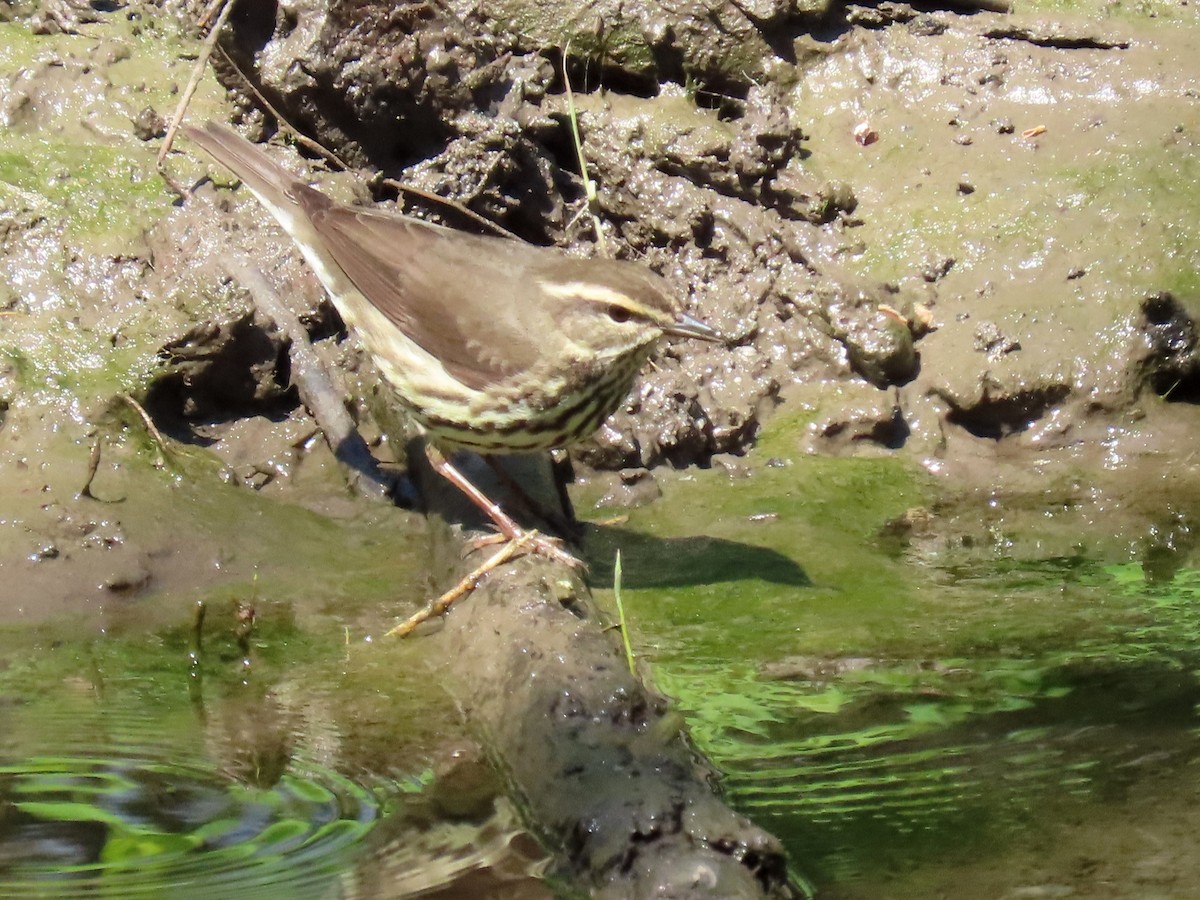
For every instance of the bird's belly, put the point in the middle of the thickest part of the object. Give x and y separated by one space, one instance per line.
502 418
510 426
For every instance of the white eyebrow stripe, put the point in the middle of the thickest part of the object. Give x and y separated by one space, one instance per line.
589 290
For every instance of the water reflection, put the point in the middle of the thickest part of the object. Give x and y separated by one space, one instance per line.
965 698
920 776
296 773
882 773
123 809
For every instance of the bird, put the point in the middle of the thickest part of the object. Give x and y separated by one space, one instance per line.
491 344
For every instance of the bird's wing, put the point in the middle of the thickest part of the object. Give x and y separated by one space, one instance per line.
456 295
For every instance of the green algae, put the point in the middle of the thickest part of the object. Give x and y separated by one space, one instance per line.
98 191
80 193
1155 192
784 545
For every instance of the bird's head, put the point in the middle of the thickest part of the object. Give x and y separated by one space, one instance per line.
616 308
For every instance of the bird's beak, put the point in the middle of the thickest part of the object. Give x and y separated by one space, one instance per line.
686 326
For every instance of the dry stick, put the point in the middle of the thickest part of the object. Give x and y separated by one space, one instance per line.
209 12
298 136
155 434
316 389
94 455
466 585
453 204
197 73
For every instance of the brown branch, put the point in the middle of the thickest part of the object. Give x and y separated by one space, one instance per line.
316 388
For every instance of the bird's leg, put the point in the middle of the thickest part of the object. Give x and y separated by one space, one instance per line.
507 526
562 524
516 541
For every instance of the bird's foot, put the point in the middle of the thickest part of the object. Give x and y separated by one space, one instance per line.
525 542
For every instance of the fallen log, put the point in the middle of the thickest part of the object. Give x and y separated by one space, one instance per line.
598 763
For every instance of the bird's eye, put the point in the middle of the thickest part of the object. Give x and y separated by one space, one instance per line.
618 314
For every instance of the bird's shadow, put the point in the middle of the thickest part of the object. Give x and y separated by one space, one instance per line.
649 562
646 561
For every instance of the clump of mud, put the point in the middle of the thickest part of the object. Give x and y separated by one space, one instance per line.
708 174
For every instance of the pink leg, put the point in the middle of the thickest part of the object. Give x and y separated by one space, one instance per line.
504 522
465 586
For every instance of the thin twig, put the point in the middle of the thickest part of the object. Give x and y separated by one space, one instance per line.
94 455
155 434
330 157
193 82
316 389
452 204
209 12
297 135
589 187
467 584
93 466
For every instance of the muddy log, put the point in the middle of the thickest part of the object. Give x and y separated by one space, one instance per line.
597 762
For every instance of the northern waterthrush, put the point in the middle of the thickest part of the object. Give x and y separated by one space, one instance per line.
492 345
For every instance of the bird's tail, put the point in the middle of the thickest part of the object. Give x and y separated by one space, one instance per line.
287 198
277 188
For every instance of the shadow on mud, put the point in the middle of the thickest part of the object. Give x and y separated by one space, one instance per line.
648 561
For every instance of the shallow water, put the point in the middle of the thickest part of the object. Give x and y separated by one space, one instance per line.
297 759
921 692
995 696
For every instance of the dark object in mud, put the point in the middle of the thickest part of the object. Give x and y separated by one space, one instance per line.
996 416
490 344
148 124
218 372
1052 35
1172 367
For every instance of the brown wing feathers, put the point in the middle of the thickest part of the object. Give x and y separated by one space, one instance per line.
424 279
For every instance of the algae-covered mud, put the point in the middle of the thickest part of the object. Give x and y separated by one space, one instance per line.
913 556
